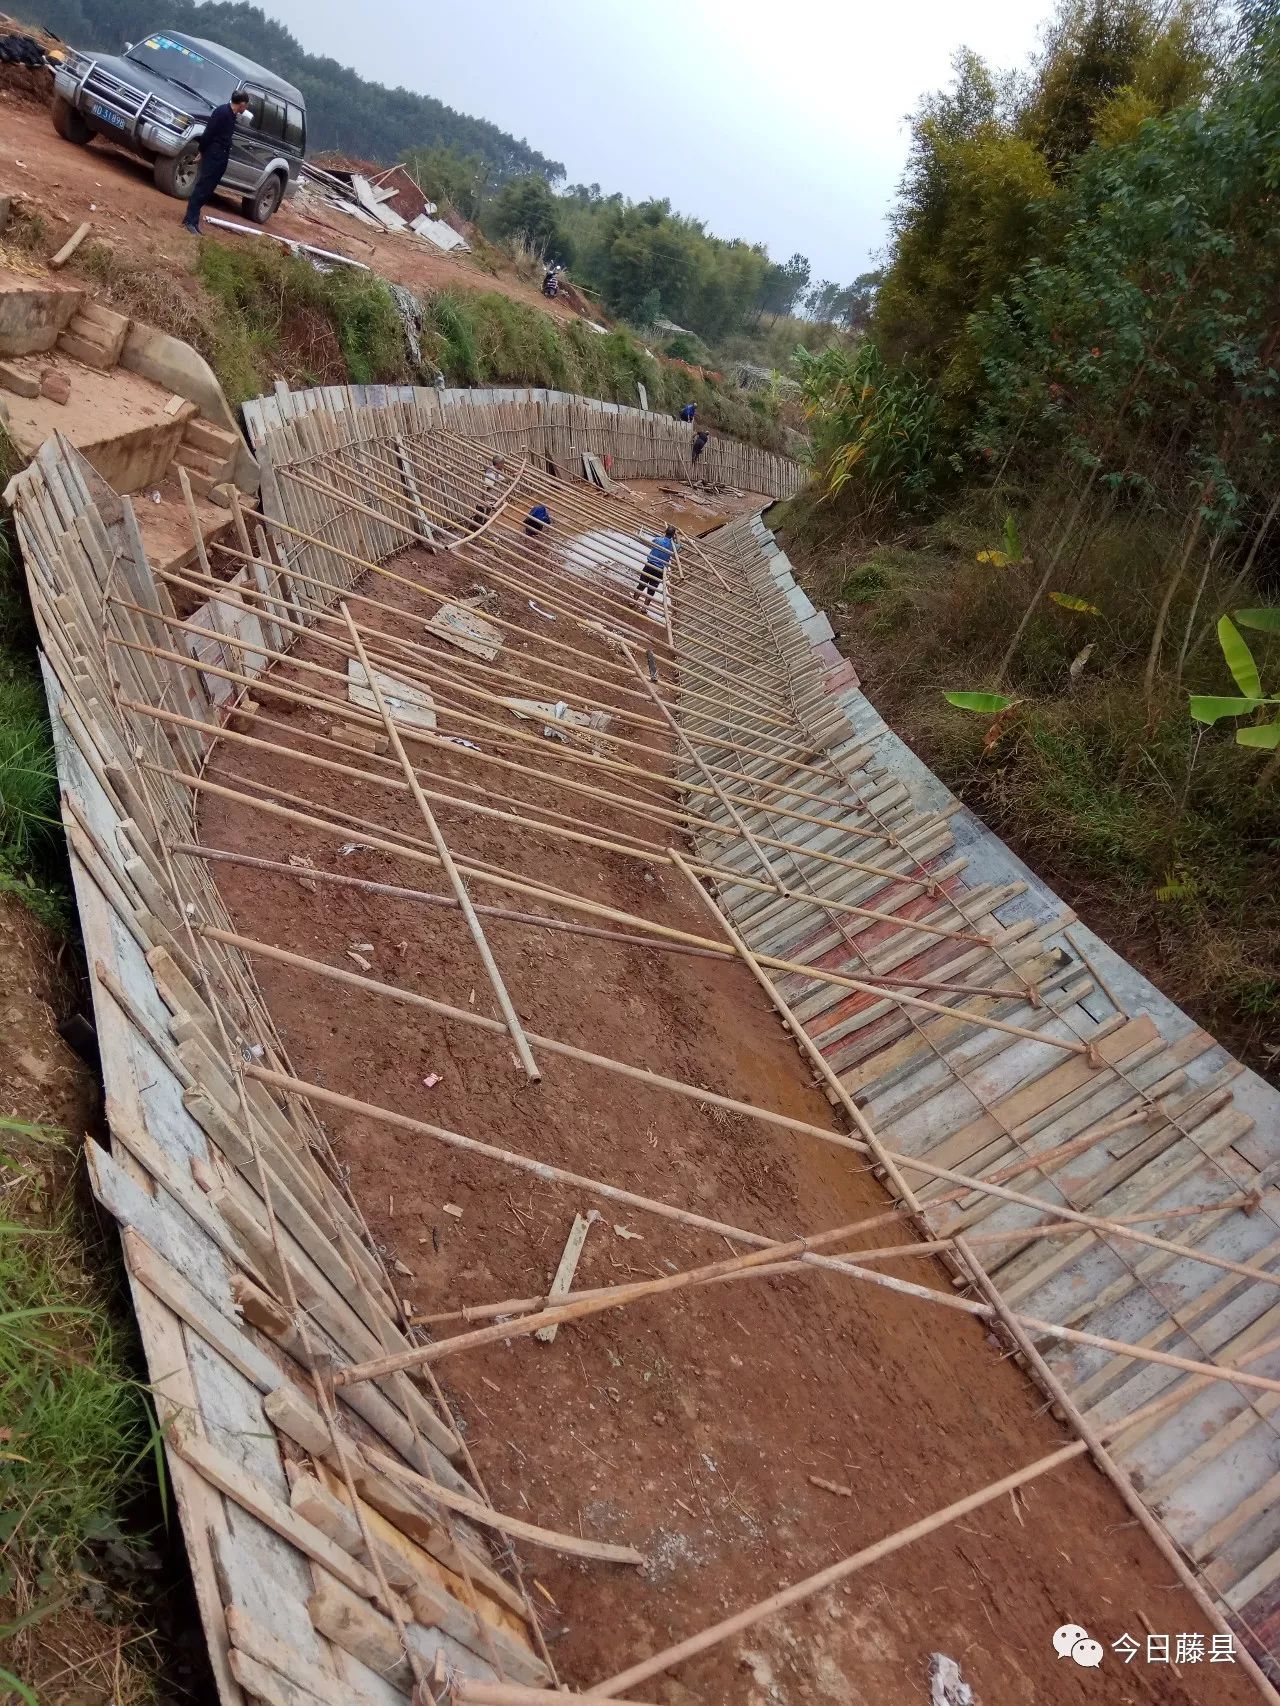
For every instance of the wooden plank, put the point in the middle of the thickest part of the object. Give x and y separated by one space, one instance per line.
253 1641
563 1281
430 1603
354 1625
293 1416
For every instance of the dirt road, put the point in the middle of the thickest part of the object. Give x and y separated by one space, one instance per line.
66 184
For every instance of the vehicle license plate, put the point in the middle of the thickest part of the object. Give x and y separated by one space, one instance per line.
108 117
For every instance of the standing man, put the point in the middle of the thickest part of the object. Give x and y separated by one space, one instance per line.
660 557
214 149
489 491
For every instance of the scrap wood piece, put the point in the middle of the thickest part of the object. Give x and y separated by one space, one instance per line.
410 1514
563 1281
354 1625
413 706
72 243
431 1602
459 623
832 1487
572 1544
558 715
252 1641
273 1687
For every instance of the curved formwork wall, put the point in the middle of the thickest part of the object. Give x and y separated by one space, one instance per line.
1094 1093
556 426
338 1543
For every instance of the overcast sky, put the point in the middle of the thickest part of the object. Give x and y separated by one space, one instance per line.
781 123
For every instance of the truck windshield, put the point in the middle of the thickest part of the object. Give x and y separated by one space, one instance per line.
185 66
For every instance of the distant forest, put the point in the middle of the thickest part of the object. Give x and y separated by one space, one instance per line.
344 111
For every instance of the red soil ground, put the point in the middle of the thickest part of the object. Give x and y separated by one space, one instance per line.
115 192
690 1426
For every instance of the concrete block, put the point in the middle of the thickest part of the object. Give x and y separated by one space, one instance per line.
34 315
20 383
212 440
81 350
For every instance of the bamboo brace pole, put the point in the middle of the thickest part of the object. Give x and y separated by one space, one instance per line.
692 752
1109 1466
446 860
695 1644
550 1174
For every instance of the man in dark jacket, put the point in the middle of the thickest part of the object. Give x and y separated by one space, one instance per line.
214 149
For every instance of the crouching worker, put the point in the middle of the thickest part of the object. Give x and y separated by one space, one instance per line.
661 555
537 520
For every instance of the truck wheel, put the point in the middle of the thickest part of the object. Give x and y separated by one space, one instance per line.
176 175
68 123
265 200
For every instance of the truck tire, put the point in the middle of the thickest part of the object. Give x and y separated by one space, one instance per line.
265 200
68 123
176 174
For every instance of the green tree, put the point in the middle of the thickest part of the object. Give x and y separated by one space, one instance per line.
527 209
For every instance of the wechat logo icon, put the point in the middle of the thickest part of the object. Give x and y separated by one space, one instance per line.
1073 1642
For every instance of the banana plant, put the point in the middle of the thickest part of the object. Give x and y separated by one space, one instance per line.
1209 708
1000 707
1011 556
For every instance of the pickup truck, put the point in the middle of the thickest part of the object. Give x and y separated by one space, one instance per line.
154 98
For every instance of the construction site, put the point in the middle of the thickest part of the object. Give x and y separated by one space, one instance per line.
624 1191
628 1190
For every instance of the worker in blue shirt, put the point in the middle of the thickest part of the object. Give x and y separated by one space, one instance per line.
689 413
214 149
661 555
538 518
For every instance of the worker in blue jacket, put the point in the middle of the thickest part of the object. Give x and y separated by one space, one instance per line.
214 149
662 554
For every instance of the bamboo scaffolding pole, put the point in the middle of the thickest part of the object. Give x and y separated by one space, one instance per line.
365 563
322 702
215 588
500 575
1109 1467
374 835
459 888
425 897
550 1174
515 1306
983 1100
724 799
569 500
549 1311
560 754
483 872
431 676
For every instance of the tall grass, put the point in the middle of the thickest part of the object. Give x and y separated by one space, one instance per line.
79 1441
1152 825
486 338
265 302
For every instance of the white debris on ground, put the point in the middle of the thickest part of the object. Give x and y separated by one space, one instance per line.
946 1686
